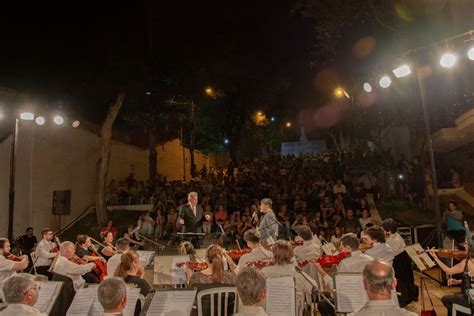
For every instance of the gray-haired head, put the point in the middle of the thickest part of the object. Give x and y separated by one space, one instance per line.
192 194
122 245
111 293
379 277
251 285
267 202
16 286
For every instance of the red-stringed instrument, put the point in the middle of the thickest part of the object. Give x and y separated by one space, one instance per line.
100 267
236 254
198 266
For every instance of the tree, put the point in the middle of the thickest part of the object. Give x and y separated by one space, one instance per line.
104 159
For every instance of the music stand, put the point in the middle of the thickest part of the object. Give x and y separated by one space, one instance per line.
158 245
195 238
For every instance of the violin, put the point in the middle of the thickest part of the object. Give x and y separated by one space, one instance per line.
236 254
326 260
296 242
364 246
197 266
75 259
448 253
262 263
12 257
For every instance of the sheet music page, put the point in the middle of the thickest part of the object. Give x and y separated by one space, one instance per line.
178 274
351 295
419 257
330 249
166 271
281 299
45 297
145 257
165 302
132 298
82 302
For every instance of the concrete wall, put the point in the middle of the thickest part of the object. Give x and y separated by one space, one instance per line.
53 158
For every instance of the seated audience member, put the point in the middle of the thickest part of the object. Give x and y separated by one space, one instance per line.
44 252
109 249
110 228
207 224
457 298
135 242
379 281
66 267
146 224
339 187
9 267
112 193
380 250
28 241
365 219
350 223
112 295
252 238
251 287
132 272
21 294
355 263
220 215
215 272
284 256
336 237
122 246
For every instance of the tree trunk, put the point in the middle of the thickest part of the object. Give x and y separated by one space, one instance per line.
104 159
152 156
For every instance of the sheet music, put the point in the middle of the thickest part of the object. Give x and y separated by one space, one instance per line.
178 274
351 295
281 296
86 303
420 257
176 301
47 296
146 257
330 249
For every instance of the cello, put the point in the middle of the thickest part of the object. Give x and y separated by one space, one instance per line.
100 266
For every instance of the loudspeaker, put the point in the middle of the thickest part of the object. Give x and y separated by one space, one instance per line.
62 202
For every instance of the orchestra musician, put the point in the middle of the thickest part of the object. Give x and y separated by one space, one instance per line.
268 224
355 263
252 237
251 286
380 250
309 250
191 217
122 245
283 255
66 267
84 250
107 241
45 254
21 294
9 267
458 298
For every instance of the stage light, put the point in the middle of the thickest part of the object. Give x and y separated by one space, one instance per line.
226 141
367 87
40 120
272 119
385 82
402 71
27 116
148 93
288 124
470 53
448 60
76 124
58 119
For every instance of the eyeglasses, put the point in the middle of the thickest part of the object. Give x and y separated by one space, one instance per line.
36 287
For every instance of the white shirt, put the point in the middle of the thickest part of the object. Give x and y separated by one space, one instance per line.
113 264
381 251
6 268
43 251
316 240
257 253
308 250
251 311
396 242
355 263
382 308
72 270
20 309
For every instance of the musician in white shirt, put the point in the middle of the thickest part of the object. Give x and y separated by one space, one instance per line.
44 252
380 250
252 237
309 250
21 294
9 267
70 269
392 237
251 287
122 245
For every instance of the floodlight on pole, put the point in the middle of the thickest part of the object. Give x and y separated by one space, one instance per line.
367 87
448 60
288 124
470 53
339 92
385 82
58 120
27 116
402 71
40 120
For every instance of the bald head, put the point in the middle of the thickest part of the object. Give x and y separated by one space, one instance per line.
379 280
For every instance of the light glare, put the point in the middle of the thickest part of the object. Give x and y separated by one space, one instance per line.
367 87
470 53
76 124
385 82
27 116
448 60
402 71
58 119
40 120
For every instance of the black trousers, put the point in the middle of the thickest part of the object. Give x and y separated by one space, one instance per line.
44 270
460 299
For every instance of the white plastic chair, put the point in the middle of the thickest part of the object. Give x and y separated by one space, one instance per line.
220 292
461 309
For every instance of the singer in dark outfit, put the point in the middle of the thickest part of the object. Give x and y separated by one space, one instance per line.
190 218
268 225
